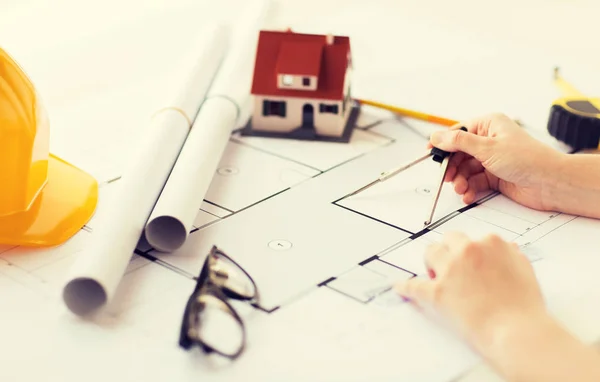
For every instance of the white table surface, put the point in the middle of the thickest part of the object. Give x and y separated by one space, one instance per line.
101 65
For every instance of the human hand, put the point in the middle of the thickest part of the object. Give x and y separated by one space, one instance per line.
497 154
481 287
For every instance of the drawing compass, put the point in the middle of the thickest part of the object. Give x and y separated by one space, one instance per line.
438 155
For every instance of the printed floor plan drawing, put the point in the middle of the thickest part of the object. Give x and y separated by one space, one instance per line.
279 208
404 201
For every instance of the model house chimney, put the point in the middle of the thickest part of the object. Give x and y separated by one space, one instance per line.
329 39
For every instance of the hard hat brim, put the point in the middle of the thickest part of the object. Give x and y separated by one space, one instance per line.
62 208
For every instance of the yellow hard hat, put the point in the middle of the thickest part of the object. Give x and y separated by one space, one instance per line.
44 200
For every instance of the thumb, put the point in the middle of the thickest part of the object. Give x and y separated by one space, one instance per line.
459 140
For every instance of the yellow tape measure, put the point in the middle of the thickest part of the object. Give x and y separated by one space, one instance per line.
574 118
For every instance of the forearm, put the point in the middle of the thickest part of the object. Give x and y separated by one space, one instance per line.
574 185
541 350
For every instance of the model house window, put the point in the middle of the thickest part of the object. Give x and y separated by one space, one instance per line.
306 81
274 108
323 108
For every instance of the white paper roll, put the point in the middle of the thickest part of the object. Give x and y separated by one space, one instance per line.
179 203
97 273
171 221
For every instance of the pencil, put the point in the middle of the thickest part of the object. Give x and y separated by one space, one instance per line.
410 113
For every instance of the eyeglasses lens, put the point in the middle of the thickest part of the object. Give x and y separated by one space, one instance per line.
215 325
229 276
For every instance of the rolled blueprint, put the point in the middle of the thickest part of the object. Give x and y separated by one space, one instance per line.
97 273
171 221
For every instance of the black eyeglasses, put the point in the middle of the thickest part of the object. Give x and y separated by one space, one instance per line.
210 321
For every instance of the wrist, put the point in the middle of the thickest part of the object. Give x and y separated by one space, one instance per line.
539 348
499 332
572 185
554 182
508 345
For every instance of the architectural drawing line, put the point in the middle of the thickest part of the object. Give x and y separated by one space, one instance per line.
358 156
188 275
480 201
210 213
395 266
424 230
411 127
420 233
370 125
324 283
195 229
147 254
392 140
216 205
394 247
248 206
113 180
372 218
554 229
140 252
231 213
367 261
375 292
274 154
504 228
171 267
379 257
443 220
39 282
350 296
8 248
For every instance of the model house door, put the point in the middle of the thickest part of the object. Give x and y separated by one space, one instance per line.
308 115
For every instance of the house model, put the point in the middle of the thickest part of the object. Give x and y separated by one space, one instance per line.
301 87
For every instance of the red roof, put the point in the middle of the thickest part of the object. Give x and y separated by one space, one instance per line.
301 58
300 54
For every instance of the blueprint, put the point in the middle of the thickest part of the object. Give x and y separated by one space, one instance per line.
323 262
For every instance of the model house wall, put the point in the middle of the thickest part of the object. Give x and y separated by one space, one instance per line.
286 114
